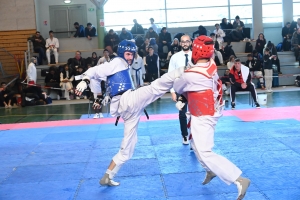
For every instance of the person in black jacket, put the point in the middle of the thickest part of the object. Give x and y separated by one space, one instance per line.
255 69
236 35
79 30
90 31
152 65
268 69
164 39
273 51
111 40
73 63
260 43
39 46
7 98
225 25
52 80
201 31
286 37
137 28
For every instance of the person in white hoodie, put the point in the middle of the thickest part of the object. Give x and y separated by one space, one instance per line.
220 34
31 72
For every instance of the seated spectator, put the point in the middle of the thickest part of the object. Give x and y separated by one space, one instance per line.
73 63
137 28
257 55
230 63
52 46
153 26
201 31
66 79
143 50
260 43
175 47
152 34
294 26
52 80
90 31
236 35
39 46
92 60
7 97
220 34
237 22
111 40
286 36
138 71
255 69
31 72
79 72
226 82
296 44
115 53
104 58
164 40
225 25
79 30
273 52
125 35
240 80
228 51
33 95
152 43
152 65
268 69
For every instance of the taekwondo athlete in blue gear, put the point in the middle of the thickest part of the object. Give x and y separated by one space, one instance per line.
126 102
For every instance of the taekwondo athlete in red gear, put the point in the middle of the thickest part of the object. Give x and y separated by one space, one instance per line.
202 87
125 101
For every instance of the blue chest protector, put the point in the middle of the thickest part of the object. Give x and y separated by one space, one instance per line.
119 83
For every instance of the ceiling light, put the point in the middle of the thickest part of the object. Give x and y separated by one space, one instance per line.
67 1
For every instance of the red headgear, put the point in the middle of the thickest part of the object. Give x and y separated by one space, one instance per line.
203 48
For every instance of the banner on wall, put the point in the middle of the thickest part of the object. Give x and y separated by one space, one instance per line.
101 22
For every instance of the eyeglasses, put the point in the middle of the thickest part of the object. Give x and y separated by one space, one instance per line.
185 42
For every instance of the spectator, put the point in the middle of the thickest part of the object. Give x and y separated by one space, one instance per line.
153 26
52 46
260 43
226 82
216 43
152 65
31 72
73 63
111 40
114 54
275 60
93 61
39 46
230 63
219 33
255 69
79 30
268 69
286 36
143 50
164 40
90 31
137 28
201 31
125 35
66 79
104 58
228 51
257 55
240 80
52 81
7 98
152 34
79 72
153 44
225 25
295 26
236 35
296 44
138 71
35 95
175 47
238 22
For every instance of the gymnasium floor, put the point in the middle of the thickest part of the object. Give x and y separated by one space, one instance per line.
64 159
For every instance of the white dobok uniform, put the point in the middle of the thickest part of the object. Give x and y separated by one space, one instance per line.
131 104
202 87
137 71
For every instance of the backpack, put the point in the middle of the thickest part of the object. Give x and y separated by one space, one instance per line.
279 47
248 48
297 81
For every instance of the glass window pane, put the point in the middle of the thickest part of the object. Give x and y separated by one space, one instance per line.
271 19
272 10
239 2
271 1
192 24
194 3
121 5
244 12
296 0
296 8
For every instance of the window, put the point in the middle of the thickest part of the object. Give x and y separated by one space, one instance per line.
244 12
296 8
239 2
133 5
272 13
171 4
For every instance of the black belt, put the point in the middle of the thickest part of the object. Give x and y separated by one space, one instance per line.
117 120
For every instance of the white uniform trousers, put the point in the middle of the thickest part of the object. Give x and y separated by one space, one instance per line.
48 51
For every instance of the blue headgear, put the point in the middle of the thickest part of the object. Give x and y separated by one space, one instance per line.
126 45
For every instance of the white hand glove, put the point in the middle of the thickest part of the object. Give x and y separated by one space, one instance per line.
106 100
81 86
179 105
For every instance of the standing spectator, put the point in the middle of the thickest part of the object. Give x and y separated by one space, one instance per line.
296 44
152 34
137 28
90 31
52 81
260 43
255 69
225 25
219 34
73 63
7 98
240 80
201 31
153 44
238 22
275 60
79 30
104 58
31 72
52 46
268 69
152 65
182 58
111 40
138 71
39 46
66 79
153 26
286 37
164 39
125 35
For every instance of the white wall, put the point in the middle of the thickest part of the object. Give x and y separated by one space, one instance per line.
43 13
